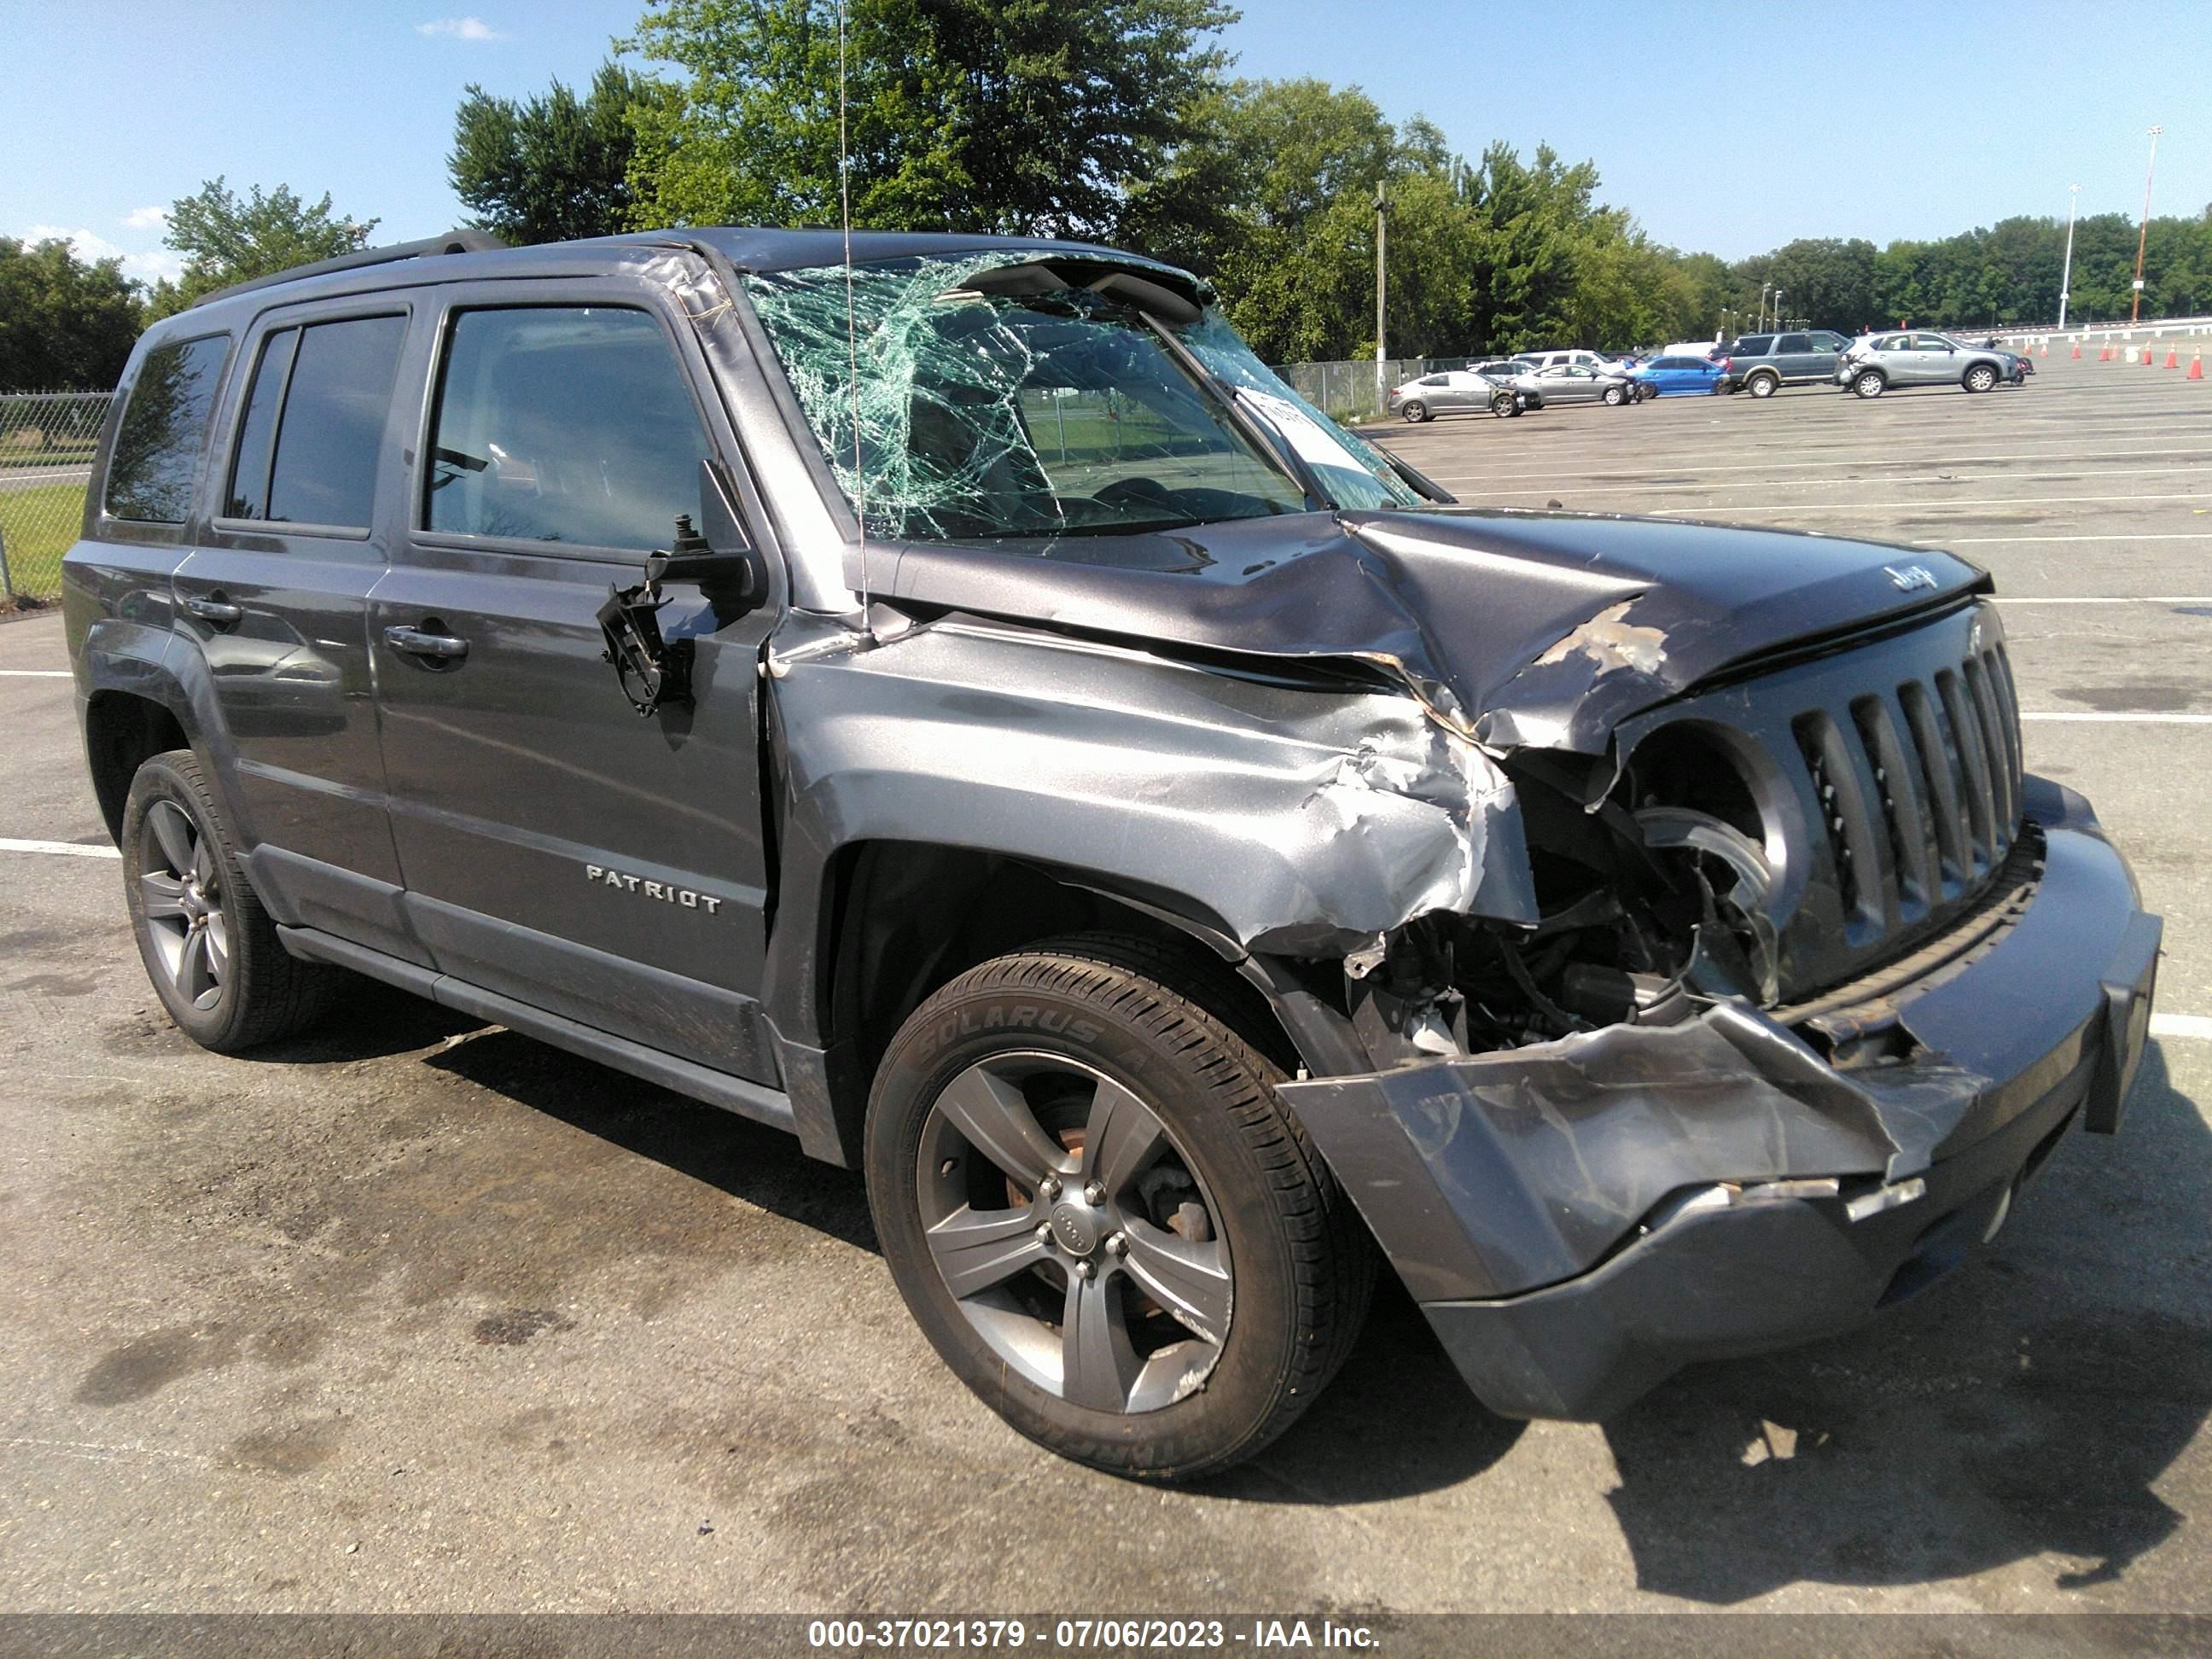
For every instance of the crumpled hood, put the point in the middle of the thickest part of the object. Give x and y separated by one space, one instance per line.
1517 627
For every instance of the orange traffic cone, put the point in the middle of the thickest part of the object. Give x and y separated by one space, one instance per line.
2147 357
2077 349
2105 356
2172 361
2197 365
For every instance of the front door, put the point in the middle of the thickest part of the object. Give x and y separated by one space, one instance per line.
558 848
275 597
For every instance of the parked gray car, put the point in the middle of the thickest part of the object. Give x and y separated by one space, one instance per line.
1453 391
1762 364
1876 362
1577 383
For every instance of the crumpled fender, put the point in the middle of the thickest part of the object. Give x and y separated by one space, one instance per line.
1293 819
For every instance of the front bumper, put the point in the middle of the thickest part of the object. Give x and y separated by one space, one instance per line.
1580 1218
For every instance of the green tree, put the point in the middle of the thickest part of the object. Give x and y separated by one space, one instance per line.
552 167
66 324
1021 115
225 239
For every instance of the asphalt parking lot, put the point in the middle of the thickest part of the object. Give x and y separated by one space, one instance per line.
418 1316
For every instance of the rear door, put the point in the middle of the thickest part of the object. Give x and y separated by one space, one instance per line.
275 598
558 848
1794 356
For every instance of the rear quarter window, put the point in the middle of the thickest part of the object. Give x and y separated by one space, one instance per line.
157 456
1753 345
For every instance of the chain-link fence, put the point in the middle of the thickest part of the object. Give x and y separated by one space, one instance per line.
1346 390
47 440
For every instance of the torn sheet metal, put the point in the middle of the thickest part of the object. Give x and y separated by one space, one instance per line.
1295 819
1518 1169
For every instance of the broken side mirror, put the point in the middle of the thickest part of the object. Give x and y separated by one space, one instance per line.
655 671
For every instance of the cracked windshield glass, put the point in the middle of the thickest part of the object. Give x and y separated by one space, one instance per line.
1052 412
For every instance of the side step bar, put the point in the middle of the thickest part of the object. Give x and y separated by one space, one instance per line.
733 1094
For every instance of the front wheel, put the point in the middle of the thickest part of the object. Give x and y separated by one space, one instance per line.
210 950
1615 397
1982 377
1505 405
1870 383
1101 1215
1415 411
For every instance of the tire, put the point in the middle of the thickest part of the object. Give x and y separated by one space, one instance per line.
1105 1041
1870 383
1763 385
1414 411
1503 405
209 948
1982 377
1614 397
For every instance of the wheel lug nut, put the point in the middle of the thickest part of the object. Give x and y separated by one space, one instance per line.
1095 1193
1044 1233
1049 1186
1084 1270
1118 1244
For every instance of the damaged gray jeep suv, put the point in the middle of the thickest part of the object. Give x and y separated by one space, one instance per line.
960 708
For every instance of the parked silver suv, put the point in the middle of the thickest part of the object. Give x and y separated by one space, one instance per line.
1876 362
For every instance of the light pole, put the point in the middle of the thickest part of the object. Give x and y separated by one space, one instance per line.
1763 288
2134 310
1381 352
2066 274
1778 308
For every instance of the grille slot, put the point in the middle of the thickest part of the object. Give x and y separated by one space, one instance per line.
1897 785
1848 825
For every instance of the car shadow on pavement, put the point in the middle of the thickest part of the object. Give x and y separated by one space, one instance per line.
2028 1404
750 1160
1396 1421
370 1021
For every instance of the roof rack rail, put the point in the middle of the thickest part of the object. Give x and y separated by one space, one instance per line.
464 241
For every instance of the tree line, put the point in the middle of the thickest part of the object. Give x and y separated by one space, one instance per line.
1106 120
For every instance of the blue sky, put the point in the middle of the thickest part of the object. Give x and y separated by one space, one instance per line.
1723 126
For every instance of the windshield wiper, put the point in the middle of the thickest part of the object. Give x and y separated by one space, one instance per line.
1258 431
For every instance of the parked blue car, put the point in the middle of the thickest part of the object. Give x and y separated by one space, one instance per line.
1668 377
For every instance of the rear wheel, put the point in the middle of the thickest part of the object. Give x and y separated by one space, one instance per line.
1414 411
1870 383
1763 385
1102 1218
1982 377
210 950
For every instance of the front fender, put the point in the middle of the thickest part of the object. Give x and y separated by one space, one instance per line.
1294 816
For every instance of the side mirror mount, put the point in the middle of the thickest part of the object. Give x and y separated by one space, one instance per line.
711 555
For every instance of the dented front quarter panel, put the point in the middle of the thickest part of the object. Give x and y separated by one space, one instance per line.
1291 818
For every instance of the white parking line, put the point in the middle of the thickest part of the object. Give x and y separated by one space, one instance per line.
71 848
2101 717
2147 535
1692 459
34 673
2124 598
2181 1025
1974 500
1884 480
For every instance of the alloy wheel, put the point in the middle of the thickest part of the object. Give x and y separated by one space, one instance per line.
181 901
1074 1235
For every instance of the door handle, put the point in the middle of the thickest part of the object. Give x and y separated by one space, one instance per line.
215 609
416 643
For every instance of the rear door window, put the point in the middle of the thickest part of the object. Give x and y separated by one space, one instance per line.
566 423
313 434
157 447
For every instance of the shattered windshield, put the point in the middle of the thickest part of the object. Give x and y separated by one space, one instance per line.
985 416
